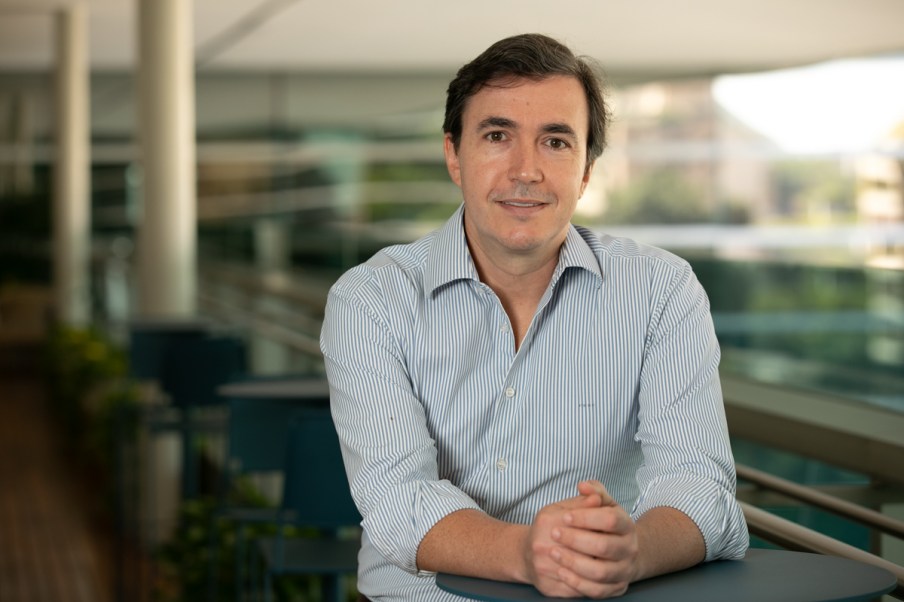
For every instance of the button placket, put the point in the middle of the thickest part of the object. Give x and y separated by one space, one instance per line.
502 414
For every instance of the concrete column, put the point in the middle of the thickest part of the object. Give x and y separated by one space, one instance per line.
72 203
272 243
167 237
273 256
21 170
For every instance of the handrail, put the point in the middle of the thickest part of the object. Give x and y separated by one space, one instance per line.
855 512
833 429
310 293
799 538
268 327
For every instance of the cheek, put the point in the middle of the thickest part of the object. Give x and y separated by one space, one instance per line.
479 180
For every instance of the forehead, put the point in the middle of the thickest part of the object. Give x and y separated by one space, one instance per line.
554 99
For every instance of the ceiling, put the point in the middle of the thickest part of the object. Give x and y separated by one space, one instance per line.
631 38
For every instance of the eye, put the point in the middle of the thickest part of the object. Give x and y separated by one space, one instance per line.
496 136
557 143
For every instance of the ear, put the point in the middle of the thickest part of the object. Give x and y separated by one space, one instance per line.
586 179
452 162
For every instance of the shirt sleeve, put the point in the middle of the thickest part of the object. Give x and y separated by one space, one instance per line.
688 464
389 454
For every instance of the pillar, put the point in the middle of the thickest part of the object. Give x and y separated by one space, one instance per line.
167 238
71 199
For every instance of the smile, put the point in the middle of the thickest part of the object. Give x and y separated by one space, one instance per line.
521 203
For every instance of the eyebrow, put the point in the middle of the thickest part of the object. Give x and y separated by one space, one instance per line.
560 128
505 123
496 122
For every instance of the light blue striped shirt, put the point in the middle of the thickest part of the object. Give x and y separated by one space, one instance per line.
616 380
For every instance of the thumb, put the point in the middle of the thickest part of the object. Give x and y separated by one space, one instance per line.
590 488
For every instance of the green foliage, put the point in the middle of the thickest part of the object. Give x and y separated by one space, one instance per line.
814 189
663 196
757 288
201 556
816 291
731 211
407 172
86 373
429 211
432 209
202 549
93 400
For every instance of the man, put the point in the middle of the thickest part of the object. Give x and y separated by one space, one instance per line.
517 398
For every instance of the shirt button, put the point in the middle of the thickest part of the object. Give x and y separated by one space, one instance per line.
503 327
501 464
510 392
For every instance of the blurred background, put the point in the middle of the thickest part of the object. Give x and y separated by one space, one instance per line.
227 160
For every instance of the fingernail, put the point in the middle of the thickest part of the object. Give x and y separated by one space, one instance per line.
556 534
568 518
556 554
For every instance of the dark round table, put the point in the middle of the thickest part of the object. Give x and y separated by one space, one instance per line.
762 576
312 390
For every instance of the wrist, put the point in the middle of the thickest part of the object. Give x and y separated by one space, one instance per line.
522 565
667 540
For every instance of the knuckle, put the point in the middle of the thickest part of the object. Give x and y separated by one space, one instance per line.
620 589
610 521
546 517
537 547
554 589
607 590
603 548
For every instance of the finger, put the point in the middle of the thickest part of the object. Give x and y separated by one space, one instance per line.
557 589
554 514
590 501
554 587
593 487
595 544
592 577
605 519
578 501
588 588
545 577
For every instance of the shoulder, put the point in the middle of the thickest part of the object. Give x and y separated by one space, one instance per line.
619 255
392 271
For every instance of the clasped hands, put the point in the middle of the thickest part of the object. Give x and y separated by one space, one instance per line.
585 546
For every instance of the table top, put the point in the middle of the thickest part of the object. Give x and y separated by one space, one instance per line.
774 575
290 389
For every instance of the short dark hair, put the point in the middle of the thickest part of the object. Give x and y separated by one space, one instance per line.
533 56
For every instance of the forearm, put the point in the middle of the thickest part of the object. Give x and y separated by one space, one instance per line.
469 542
667 540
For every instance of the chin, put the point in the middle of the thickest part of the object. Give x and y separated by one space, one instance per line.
522 245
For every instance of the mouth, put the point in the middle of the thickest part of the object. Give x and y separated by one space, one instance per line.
522 204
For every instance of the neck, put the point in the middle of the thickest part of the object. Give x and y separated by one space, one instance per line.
519 282
516 276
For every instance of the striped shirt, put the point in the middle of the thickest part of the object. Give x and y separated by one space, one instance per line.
615 380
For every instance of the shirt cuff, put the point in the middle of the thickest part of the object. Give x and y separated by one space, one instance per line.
714 510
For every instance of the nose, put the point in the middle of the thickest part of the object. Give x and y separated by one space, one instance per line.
525 164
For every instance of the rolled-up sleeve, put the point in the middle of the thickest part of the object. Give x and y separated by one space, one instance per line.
687 459
389 454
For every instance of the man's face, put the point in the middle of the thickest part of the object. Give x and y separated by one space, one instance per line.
521 165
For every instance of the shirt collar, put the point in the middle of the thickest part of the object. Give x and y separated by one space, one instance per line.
576 253
450 259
